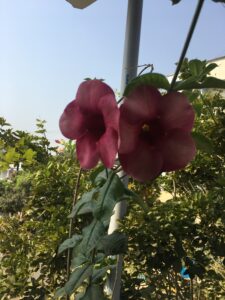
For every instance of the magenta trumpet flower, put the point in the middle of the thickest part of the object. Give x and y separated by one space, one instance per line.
92 120
155 133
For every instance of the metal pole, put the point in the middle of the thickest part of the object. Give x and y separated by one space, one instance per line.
129 71
132 41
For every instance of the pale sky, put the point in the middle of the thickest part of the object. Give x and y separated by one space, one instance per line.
48 48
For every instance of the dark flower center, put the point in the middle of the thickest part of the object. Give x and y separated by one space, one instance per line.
145 128
96 125
152 131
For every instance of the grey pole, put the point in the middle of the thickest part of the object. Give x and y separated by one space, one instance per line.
129 71
132 41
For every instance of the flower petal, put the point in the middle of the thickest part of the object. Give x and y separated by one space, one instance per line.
178 149
72 122
129 134
141 105
108 147
110 111
87 152
176 112
143 164
90 92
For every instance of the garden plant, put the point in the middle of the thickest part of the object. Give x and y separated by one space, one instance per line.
56 205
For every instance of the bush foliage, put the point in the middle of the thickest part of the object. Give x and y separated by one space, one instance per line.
185 232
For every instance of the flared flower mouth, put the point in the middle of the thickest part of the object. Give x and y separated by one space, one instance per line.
92 120
96 125
155 133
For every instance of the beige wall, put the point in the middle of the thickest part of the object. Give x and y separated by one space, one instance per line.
219 72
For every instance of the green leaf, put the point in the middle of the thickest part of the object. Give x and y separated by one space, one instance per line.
210 67
196 67
60 293
20 143
132 195
202 142
29 155
200 69
93 292
69 243
109 194
86 208
145 292
186 84
212 82
11 155
77 278
196 269
79 296
99 257
113 244
151 79
192 83
84 205
102 177
78 260
91 235
99 273
95 173
198 108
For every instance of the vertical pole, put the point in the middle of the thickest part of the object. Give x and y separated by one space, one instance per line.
132 41
129 71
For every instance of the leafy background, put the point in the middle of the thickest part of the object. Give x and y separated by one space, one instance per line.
158 238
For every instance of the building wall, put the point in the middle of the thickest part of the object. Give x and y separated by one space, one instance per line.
219 72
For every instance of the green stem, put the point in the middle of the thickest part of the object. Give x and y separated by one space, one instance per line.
69 252
187 42
146 66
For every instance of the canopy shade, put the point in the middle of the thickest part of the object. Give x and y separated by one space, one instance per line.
80 3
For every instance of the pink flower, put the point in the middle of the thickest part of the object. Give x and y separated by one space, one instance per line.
92 120
155 133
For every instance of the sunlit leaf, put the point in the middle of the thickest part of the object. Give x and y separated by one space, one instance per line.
151 79
29 155
11 155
